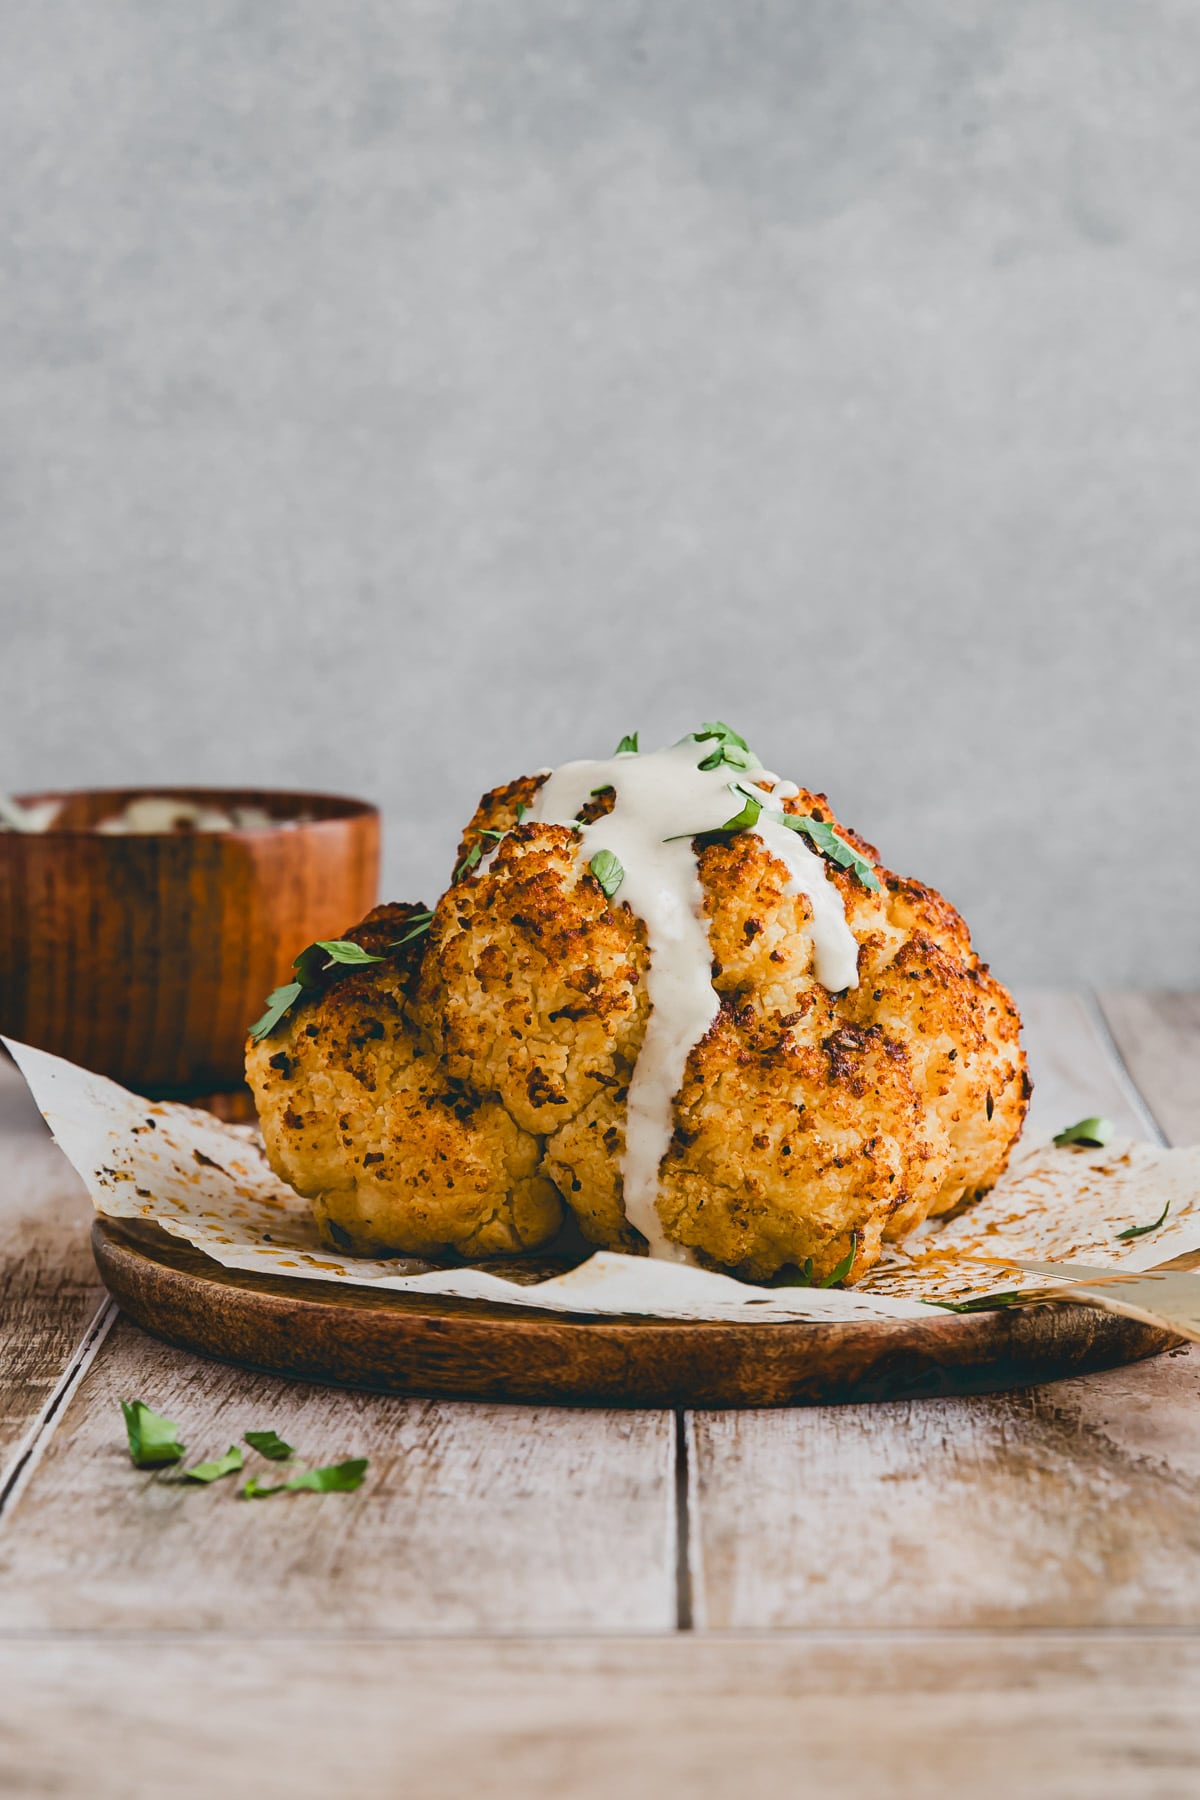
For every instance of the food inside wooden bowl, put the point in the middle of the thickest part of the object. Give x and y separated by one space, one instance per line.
668 993
139 926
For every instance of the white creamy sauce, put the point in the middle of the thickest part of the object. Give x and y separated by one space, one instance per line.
662 801
156 815
39 815
161 815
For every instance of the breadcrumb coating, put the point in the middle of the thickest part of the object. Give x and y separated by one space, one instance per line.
455 1095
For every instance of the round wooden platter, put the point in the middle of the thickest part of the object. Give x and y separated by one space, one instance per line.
426 1345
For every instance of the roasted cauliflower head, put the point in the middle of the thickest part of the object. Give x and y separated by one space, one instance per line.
742 1041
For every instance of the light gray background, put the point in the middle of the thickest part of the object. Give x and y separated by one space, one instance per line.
398 396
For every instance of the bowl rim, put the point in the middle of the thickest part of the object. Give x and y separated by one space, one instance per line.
349 807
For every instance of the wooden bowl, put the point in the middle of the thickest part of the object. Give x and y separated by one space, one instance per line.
146 957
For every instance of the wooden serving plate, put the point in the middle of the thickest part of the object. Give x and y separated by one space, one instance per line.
427 1345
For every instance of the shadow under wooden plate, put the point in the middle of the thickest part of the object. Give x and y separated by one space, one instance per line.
426 1345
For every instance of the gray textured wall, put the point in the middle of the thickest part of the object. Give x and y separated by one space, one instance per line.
400 395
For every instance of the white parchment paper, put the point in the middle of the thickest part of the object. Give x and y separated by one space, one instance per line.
1050 1225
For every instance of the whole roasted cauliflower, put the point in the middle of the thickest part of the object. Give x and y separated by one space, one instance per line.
456 1093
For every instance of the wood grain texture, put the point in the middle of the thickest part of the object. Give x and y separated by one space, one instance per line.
993 1718
1072 1506
50 1293
472 1518
146 957
419 1344
1158 1036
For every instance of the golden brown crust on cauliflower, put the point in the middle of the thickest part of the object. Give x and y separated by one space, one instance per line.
532 986
360 1117
448 1096
805 1135
498 811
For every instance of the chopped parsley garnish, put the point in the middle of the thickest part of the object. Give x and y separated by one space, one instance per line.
269 1444
153 1440
335 1478
228 1464
279 1003
311 964
1135 1231
154 1443
345 950
474 856
420 923
608 871
827 841
730 750
844 1267
822 836
314 962
747 819
1093 1133
725 734
803 1276
728 756
984 1303
628 745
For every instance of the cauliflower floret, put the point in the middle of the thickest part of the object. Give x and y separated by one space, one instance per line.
361 1117
809 1137
532 983
448 1095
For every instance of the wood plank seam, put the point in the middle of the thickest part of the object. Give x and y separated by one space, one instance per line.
1158 1035
33 1445
1121 1068
683 1534
697 1528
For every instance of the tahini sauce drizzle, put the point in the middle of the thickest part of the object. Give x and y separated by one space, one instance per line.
662 801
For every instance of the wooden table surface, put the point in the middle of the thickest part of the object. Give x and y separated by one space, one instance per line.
996 1595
